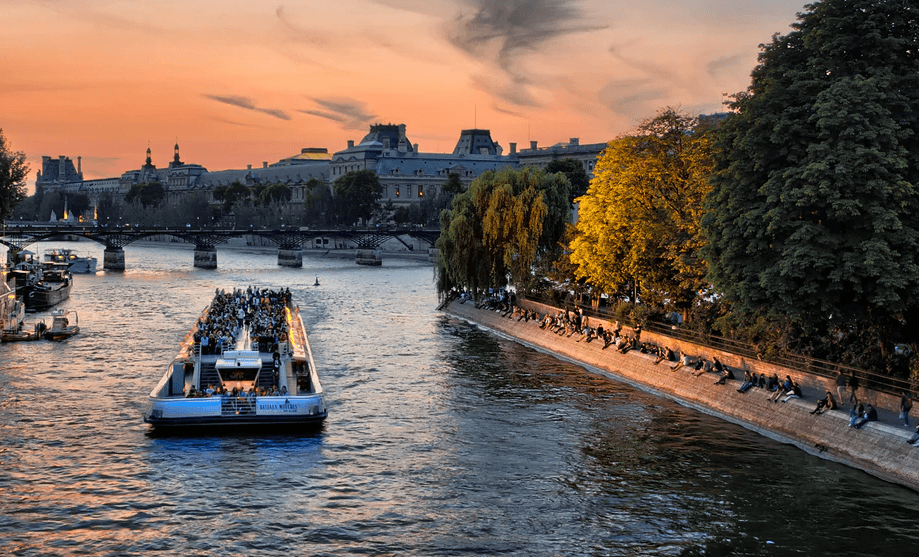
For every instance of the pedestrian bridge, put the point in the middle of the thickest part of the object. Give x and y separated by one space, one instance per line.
289 241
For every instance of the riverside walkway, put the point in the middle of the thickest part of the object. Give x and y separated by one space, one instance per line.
879 448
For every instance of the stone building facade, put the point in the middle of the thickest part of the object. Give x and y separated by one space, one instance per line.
406 174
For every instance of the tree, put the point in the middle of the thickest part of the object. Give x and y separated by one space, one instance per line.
277 193
639 221
358 195
501 226
814 212
13 173
149 194
574 171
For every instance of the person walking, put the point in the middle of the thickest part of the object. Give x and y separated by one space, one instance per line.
906 404
853 388
841 388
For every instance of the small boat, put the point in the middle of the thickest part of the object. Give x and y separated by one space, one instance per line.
78 264
232 374
64 324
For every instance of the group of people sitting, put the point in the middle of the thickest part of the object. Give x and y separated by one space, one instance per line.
570 323
221 390
262 311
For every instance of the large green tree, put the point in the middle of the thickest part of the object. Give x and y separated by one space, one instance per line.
814 212
501 226
639 221
357 195
574 171
13 173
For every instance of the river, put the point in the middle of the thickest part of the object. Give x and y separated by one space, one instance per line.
441 439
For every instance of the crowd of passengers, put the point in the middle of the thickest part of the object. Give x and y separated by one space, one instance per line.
259 310
570 323
221 390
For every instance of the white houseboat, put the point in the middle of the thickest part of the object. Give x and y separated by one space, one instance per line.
233 372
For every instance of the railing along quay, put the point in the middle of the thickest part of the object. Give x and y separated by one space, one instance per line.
823 368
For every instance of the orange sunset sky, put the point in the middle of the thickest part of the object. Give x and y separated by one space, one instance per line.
241 83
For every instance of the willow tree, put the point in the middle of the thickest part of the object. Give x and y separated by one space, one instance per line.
499 228
814 212
639 221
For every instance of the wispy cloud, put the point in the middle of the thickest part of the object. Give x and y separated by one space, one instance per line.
248 104
502 33
350 113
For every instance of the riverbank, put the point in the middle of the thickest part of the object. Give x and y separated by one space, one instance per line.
879 448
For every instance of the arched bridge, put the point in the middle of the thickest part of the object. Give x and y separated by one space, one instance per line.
290 241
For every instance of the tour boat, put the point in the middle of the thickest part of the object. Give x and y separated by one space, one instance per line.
78 264
64 324
260 380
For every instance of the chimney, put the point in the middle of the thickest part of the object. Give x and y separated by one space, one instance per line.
513 148
416 147
264 164
573 141
248 167
386 143
80 166
61 167
350 143
533 145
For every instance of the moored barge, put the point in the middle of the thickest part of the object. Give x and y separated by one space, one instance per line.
246 363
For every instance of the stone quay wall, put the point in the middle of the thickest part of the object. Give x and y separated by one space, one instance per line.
879 448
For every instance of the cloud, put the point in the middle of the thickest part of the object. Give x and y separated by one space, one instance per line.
503 33
727 65
351 114
632 97
248 104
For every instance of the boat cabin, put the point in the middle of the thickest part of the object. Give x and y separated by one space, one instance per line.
239 368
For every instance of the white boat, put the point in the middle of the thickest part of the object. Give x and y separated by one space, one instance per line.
12 312
64 324
78 264
260 380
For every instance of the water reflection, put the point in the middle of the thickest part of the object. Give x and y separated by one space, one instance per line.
441 440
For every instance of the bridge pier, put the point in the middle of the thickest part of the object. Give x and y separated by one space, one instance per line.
369 257
113 259
205 257
290 257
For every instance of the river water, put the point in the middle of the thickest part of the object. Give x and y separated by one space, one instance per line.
441 439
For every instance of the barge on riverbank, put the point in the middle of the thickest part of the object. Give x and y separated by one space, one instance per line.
267 379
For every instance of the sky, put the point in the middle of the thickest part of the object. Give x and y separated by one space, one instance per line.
238 83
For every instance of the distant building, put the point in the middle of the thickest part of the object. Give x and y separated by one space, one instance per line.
406 175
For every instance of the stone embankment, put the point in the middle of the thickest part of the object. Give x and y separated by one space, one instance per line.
879 448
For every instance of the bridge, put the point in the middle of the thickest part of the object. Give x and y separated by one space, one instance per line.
290 241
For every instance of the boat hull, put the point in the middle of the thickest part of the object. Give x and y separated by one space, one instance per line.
236 412
44 298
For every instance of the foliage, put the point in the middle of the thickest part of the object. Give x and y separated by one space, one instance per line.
317 202
357 196
574 171
274 193
236 191
501 226
13 173
639 221
149 194
814 212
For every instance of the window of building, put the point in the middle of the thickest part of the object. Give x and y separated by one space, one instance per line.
420 190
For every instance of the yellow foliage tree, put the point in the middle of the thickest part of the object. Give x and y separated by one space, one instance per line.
639 221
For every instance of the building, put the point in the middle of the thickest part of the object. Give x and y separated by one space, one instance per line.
406 174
